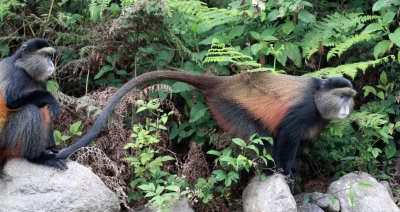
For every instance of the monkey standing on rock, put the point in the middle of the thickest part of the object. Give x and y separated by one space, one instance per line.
287 108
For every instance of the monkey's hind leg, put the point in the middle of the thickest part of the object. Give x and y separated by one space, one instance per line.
29 128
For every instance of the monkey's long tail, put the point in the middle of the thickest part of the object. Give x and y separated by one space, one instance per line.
202 82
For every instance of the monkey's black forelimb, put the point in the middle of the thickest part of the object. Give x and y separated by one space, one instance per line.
39 98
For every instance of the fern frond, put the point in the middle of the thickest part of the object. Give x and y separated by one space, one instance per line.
364 119
342 47
182 49
327 30
369 120
349 69
206 18
220 53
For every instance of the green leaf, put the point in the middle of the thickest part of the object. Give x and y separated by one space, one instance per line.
269 38
52 86
381 95
239 142
282 58
219 175
398 56
288 27
382 4
375 151
74 128
255 48
294 54
333 199
147 187
381 48
372 28
57 135
351 196
102 71
140 102
236 31
141 109
305 16
368 89
306 199
365 185
388 18
214 152
273 15
383 78
255 35
179 87
395 37
198 111
267 32
390 149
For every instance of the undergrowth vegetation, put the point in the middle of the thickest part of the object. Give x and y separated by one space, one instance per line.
162 144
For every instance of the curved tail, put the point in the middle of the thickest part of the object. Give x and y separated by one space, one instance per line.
202 82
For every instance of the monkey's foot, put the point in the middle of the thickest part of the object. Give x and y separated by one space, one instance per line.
48 158
57 163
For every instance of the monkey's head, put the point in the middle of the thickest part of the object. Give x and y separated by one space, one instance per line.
34 57
334 99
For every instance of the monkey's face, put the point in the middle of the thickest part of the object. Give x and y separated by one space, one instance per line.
335 103
37 64
345 98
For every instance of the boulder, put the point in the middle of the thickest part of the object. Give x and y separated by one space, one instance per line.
272 194
321 200
25 186
375 198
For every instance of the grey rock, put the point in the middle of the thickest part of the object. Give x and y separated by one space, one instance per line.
387 186
320 199
375 198
30 187
309 207
179 206
273 194
324 202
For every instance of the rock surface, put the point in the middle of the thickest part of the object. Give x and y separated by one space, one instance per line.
324 202
179 206
273 194
319 199
29 187
375 198
309 207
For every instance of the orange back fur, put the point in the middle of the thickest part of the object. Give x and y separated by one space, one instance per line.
267 96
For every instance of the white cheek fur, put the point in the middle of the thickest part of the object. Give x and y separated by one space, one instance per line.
344 110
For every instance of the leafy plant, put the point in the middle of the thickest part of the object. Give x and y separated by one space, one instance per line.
162 188
74 129
231 166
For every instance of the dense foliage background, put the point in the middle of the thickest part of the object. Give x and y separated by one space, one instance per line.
159 156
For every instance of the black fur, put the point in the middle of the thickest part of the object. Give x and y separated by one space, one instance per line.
25 126
299 119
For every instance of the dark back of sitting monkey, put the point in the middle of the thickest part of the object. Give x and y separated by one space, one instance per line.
26 107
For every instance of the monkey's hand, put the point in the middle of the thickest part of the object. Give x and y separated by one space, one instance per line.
55 110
